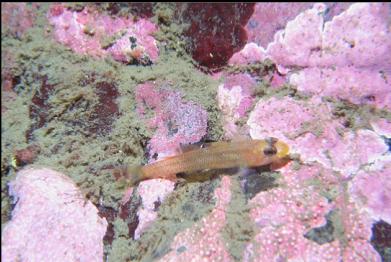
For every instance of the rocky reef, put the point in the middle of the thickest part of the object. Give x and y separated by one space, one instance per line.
91 87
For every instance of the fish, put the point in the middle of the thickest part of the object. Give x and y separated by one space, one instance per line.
216 155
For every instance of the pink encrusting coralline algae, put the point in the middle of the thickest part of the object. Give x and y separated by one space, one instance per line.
338 182
89 32
343 178
310 130
175 122
285 216
235 97
151 192
203 241
51 220
337 58
372 191
309 41
346 58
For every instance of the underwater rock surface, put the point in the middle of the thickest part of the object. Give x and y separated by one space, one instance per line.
51 220
88 88
88 32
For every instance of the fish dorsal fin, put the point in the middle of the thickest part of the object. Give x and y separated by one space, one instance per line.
212 144
190 147
202 144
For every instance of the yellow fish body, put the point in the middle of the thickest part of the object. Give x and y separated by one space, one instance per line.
217 155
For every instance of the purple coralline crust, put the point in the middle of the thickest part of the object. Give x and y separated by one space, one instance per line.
86 31
250 53
346 57
357 149
308 41
141 31
235 98
268 18
284 215
51 220
176 121
382 127
309 129
359 86
372 191
203 241
151 192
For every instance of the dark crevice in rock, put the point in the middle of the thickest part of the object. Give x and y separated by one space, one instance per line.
324 234
381 239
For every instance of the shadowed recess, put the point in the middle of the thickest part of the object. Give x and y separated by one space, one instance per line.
256 180
381 239
324 234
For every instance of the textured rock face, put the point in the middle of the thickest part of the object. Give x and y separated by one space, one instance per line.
176 121
316 76
91 33
51 220
16 18
330 59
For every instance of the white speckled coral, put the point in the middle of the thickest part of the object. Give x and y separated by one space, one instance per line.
51 220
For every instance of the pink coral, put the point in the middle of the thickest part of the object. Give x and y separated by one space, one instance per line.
349 83
51 220
286 214
85 32
235 98
151 192
266 21
308 41
250 53
203 241
372 190
356 225
268 18
348 63
176 121
357 149
310 130
382 127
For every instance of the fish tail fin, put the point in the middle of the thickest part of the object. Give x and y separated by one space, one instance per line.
131 175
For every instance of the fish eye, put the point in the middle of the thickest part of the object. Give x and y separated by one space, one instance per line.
270 151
